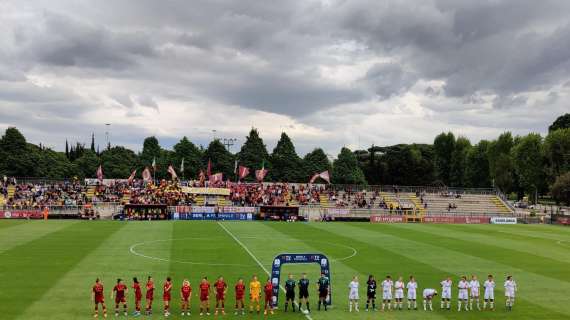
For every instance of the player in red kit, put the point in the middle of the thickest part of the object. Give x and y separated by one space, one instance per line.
268 288
98 298
204 296
166 297
185 293
240 293
149 295
119 293
221 289
138 296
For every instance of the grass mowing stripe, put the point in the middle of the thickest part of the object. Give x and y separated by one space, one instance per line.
547 232
364 263
254 258
555 270
7 223
31 269
19 234
71 296
533 302
538 246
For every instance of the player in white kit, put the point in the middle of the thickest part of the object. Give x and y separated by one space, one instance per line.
463 293
412 287
510 289
399 293
387 286
446 293
474 292
489 296
428 295
353 294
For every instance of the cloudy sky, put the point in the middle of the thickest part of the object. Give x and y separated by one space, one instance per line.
329 73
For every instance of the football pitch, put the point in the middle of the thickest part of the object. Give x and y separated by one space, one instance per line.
47 268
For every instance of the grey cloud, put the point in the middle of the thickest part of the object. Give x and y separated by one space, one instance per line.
147 101
387 79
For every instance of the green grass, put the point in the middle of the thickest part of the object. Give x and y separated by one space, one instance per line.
47 268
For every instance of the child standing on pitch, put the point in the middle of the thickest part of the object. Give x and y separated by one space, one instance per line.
353 294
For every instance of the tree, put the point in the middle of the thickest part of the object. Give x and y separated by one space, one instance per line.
151 151
500 162
87 164
457 174
192 156
52 164
253 153
316 161
286 165
346 169
557 153
563 122
16 158
118 162
444 145
560 190
528 163
222 160
477 167
92 148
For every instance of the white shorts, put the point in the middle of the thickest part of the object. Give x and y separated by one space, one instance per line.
399 294
474 293
489 295
412 295
386 295
510 293
446 294
353 295
463 295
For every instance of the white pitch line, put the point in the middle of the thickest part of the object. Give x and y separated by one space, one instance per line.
257 261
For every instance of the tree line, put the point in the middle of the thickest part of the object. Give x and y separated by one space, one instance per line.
525 165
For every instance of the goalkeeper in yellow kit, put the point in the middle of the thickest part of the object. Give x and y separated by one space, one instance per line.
254 294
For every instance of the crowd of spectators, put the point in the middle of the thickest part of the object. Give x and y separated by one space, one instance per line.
275 194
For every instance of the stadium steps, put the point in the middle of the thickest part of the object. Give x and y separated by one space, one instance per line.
223 202
325 203
390 199
2 200
200 200
11 191
501 207
126 198
420 211
90 192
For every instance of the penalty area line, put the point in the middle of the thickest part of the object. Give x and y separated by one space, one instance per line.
257 261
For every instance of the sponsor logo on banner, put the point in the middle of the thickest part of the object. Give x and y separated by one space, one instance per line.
563 220
202 209
386 219
504 220
106 182
21 214
231 209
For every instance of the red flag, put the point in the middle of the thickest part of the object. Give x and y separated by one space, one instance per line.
202 177
132 176
243 172
215 178
100 173
146 175
260 174
323 175
209 169
172 172
313 178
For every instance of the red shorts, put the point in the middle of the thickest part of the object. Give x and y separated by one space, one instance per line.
268 298
149 296
220 296
239 297
166 297
138 298
99 299
204 297
120 300
185 298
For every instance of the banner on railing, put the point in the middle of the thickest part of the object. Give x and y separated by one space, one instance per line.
21 214
456 219
207 191
231 209
203 209
386 219
106 182
338 211
213 216
504 220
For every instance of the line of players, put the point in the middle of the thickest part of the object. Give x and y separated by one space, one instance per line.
468 293
220 288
